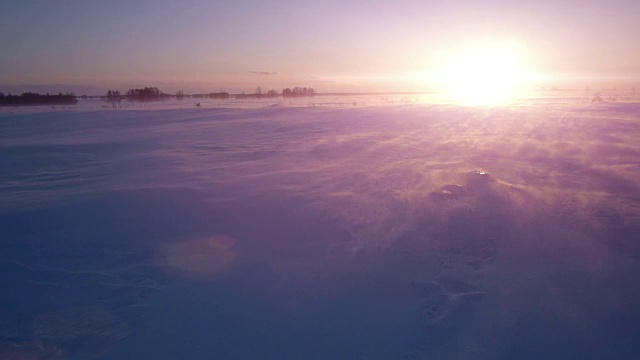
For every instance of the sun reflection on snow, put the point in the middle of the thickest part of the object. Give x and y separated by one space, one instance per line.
205 256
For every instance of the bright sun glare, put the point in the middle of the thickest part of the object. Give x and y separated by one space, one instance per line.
484 75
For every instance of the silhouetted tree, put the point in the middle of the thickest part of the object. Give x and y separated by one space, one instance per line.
30 98
145 94
113 95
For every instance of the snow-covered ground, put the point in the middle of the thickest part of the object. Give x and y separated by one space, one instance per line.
403 231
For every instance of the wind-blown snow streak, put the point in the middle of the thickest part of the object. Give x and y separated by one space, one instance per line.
531 212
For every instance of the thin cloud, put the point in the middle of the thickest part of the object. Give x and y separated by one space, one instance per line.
264 73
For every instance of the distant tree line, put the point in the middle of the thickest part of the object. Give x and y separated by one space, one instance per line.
298 91
153 94
218 95
287 92
31 98
258 93
145 94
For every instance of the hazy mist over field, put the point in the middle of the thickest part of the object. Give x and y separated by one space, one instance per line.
400 231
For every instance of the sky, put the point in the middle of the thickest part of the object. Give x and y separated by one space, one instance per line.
331 45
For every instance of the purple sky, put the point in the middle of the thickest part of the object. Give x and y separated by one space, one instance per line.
203 46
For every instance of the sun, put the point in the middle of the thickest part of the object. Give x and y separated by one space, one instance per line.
489 74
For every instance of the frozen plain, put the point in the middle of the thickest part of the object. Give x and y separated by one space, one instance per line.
389 232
